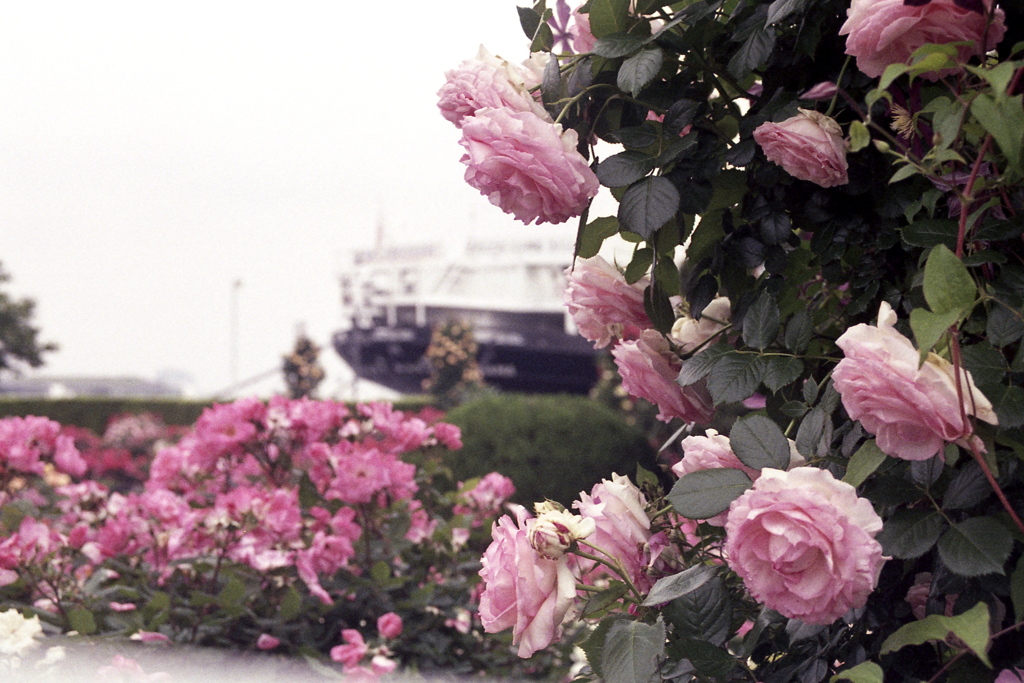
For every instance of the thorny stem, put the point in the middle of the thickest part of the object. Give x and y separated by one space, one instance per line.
967 197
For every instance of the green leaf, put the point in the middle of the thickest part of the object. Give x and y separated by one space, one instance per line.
891 73
1004 325
815 434
865 672
968 488
758 442
775 228
618 45
291 605
781 9
1008 402
600 602
639 70
543 40
863 463
985 363
81 620
669 588
910 533
903 172
929 232
529 20
971 628
859 136
947 284
232 594
780 371
702 614
735 378
753 52
761 322
593 235
1017 589
638 267
706 493
1004 119
647 205
631 652
624 168
593 646
706 659
697 368
929 327
608 17
976 546
798 331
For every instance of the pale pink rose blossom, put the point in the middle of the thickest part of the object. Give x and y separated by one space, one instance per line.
603 306
912 411
808 146
649 370
123 606
583 40
267 642
691 334
150 637
526 165
389 625
487 82
352 651
804 544
884 32
522 590
621 526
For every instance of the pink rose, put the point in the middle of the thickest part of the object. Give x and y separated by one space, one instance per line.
602 305
522 590
884 32
913 411
267 642
352 651
583 40
389 625
527 166
808 146
804 544
487 81
621 526
649 370
1014 675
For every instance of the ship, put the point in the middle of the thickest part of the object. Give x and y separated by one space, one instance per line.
510 293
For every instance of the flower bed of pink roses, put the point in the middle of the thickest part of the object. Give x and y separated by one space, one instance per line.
287 526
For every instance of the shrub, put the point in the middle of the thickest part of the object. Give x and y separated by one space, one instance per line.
550 446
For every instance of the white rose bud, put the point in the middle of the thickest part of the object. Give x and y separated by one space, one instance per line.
689 334
555 530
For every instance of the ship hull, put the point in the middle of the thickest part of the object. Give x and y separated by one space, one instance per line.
520 351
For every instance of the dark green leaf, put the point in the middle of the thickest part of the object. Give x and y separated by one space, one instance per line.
815 434
794 409
780 9
707 659
758 442
291 605
1004 326
735 378
671 587
680 115
930 232
637 137
593 646
639 70
701 294
594 234
968 488
947 284
985 363
624 168
631 651
529 20
696 368
776 228
976 546
599 602
780 371
1017 589
1008 402
639 265
753 52
798 331
543 40
997 231
862 463
910 533
761 322
608 17
702 614
647 205
706 493
551 87
658 308
618 45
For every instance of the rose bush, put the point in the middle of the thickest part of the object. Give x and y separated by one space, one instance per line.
837 187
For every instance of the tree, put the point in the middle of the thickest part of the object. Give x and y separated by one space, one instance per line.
19 339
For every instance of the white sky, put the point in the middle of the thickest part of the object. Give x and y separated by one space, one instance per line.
151 153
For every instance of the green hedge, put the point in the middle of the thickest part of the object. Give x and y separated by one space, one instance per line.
94 413
550 446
